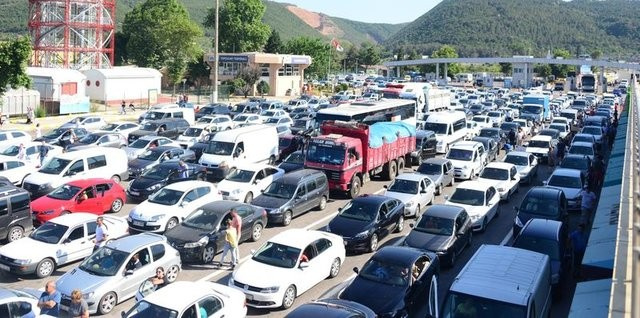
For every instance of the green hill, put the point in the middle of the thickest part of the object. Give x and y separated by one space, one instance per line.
505 27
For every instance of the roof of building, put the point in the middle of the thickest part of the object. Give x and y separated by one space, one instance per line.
123 72
56 74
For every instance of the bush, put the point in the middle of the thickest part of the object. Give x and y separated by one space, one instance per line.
40 112
263 88
341 88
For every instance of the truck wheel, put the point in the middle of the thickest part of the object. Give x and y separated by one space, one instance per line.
392 170
355 187
400 165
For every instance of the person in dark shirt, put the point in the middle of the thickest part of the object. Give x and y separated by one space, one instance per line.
578 239
49 301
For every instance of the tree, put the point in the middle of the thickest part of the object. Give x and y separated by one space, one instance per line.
543 70
596 54
248 75
351 58
274 43
445 51
240 27
120 49
198 71
319 50
369 55
506 68
263 88
161 34
14 55
559 70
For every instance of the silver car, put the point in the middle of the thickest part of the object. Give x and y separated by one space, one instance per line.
440 171
108 277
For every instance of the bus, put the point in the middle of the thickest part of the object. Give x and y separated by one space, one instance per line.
371 112
589 83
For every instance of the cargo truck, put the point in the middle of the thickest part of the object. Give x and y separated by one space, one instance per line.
351 153
536 108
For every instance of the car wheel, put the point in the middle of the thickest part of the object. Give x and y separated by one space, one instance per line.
418 211
391 170
323 203
373 243
117 205
107 303
400 224
172 273
286 219
355 187
484 224
289 297
400 165
439 190
248 198
207 254
15 233
335 268
453 182
171 223
116 178
45 268
256 232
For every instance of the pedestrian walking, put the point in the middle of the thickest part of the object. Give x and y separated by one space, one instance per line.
513 138
551 157
183 170
578 240
49 301
520 136
611 135
237 221
22 152
133 108
102 234
561 149
230 244
79 307
44 151
587 205
38 131
123 108
30 115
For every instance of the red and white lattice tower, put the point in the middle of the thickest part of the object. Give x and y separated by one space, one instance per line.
76 34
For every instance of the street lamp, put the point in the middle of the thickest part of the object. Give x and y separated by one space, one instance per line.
214 95
184 81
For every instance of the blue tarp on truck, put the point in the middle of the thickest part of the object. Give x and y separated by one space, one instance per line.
388 132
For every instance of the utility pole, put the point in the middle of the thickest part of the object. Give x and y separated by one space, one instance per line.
214 94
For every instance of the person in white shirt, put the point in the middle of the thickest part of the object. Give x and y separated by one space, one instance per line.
38 131
102 234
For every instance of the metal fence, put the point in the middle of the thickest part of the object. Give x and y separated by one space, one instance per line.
199 94
635 234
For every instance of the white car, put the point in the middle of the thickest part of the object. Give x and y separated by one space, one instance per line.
13 137
571 182
32 151
217 122
246 119
16 170
502 176
247 181
468 159
59 241
280 121
415 190
165 208
564 129
265 115
288 265
539 146
90 123
496 117
583 148
25 304
526 164
196 299
194 134
481 201
483 121
473 130
526 125
121 127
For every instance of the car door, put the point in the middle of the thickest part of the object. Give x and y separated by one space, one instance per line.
105 195
313 273
189 201
514 178
33 152
313 197
428 186
493 199
131 278
248 217
299 200
448 172
91 204
76 169
73 245
384 221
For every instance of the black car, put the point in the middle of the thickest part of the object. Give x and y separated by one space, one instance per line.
201 235
213 109
303 124
442 229
490 146
61 136
287 144
199 147
495 134
159 176
425 146
367 219
578 162
332 308
154 156
293 162
541 203
553 133
397 282
170 128
15 213
507 127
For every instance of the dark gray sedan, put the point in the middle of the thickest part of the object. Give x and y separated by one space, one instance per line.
440 171
154 156
102 139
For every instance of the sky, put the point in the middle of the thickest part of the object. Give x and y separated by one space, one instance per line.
375 11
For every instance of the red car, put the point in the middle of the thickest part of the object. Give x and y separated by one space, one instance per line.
90 195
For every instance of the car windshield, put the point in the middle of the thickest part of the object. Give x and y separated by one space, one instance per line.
193 132
575 163
328 154
11 151
202 219
358 210
139 144
467 197
240 175
583 138
55 166
64 192
494 114
435 225
438 128
535 205
430 168
49 233
104 262
549 132
464 305
529 109
539 144
517 160
150 154
479 119
273 120
489 133
90 138
55 133
205 120
561 128
166 196
596 131
277 255
404 186
109 127
460 154
159 172
581 150
296 157
540 245
476 107
241 118
280 190
269 113
150 127
565 182
145 309
495 174
154 115
509 126
386 273
220 148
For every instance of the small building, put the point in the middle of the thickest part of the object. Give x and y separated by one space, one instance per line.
283 72
62 91
18 101
111 86
522 75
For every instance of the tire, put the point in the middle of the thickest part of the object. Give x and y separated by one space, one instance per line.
418 211
323 203
335 268
172 273
400 224
355 187
453 182
373 243
439 189
418 160
116 178
392 170
208 253
289 297
256 232
248 198
400 165
116 205
45 268
286 218
107 303
171 224
15 233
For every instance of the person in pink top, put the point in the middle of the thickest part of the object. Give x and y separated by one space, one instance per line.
236 222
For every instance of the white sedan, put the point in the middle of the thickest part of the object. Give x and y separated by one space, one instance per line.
481 201
246 120
165 208
244 182
16 170
197 299
288 265
31 150
274 113
218 122
59 241
415 190
526 164
121 127
502 176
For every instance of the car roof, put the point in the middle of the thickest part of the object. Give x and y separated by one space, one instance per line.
400 255
164 148
133 242
86 152
151 137
541 228
543 192
466 144
221 205
298 238
413 176
542 137
500 165
88 182
253 166
473 185
566 172
295 176
187 185
74 218
188 291
519 153
439 161
444 211
582 143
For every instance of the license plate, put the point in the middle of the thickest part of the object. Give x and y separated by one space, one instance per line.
249 297
138 223
134 193
4 267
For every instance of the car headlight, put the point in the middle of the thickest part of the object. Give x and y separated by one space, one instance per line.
154 187
129 219
88 295
409 204
157 217
475 217
518 222
439 142
274 211
272 289
44 185
501 190
22 261
236 191
362 235
47 212
465 167
203 241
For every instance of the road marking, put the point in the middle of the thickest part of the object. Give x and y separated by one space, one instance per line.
244 259
507 238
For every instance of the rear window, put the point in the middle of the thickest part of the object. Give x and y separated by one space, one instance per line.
97 162
20 201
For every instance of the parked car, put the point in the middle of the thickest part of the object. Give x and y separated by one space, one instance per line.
280 121
194 134
62 136
15 220
293 162
273 113
296 260
59 241
121 127
365 220
502 176
494 133
440 171
571 182
96 196
15 170
216 122
31 150
159 176
246 119
336 308
480 200
199 147
414 190
165 209
584 138
141 145
468 159
157 155
170 128
89 123
248 180
102 139
579 162
541 203
213 109
583 149
444 230
595 131
201 235
105 277
564 129
397 282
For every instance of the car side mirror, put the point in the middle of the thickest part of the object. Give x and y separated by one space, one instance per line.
544 183
304 265
446 197
385 186
128 272
356 270
254 182
411 225
423 191
68 240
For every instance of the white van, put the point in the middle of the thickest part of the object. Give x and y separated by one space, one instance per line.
249 144
98 162
449 126
185 113
501 281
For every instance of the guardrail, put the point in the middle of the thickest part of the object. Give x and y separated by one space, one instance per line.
635 232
